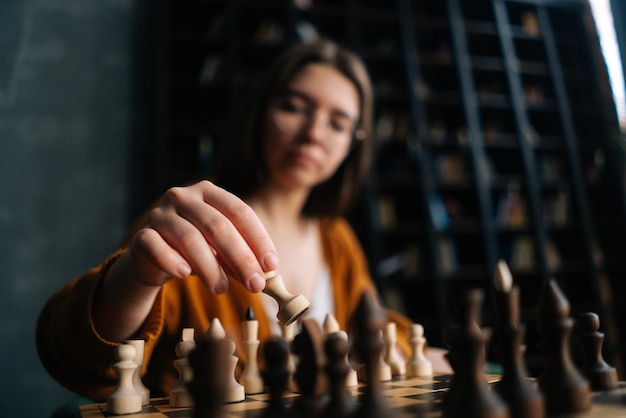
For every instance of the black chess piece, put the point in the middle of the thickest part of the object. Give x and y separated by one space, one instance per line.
469 395
340 404
565 390
601 375
515 388
310 377
210 371
369 321
276 376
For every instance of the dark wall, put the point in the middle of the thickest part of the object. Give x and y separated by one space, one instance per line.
65 135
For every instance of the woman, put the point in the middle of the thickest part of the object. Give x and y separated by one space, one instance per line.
202 251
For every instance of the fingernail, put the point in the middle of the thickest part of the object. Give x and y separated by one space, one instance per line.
221 287
270 262
183 270
256 283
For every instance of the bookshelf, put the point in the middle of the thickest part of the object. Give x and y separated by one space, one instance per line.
496 138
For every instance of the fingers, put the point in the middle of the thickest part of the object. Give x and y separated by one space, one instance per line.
207 230
150 248
234 232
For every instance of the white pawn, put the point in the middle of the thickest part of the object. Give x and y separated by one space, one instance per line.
331 326
392 356
418 364
180 397
234 392
251 377
137 382
384 369
288 332
290 307
124 399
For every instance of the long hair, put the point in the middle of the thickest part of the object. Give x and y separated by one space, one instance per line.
240 166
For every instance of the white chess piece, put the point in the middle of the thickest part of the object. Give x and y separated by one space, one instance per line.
124 399
392 356
137 382
251 377
234 391
180 397
288 332
384 369
418 364
290 307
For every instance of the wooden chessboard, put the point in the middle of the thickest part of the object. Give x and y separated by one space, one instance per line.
406 398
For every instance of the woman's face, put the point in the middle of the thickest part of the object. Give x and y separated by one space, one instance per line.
308 130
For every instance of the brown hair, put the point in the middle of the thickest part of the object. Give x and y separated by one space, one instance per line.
241 170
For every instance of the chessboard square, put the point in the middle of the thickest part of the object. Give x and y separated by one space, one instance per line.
433 386
91 410
244 406
404 392
492 378
259 397
428 396
410 382
440 377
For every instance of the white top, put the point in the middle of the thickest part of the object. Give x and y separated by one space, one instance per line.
322 302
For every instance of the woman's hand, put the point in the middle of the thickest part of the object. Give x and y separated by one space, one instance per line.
200 229
205 230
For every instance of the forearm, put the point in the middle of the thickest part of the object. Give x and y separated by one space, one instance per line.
122 301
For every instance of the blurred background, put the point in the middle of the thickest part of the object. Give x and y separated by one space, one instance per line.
498 137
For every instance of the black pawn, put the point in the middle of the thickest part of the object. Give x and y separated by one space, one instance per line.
369 321
601 376
515 388
340 404
209 364
276 376
565 390
310 376
469 395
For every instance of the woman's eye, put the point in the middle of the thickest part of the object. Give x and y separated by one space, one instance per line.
340 125
292 106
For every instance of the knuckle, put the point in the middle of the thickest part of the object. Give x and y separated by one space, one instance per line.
190 238
217 226
174 195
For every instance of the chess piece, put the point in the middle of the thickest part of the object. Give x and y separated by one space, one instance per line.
124 399
522 396
392 356
209 362
601 376
310 376
179 393
418 364
384 369
250 377
368 345
340 403
331 326
565 390
287 332
469 395
233 391
276 376
290 307
137 382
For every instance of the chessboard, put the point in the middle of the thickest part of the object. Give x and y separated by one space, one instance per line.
405 397
414 397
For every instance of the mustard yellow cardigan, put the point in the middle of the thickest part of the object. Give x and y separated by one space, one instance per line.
78 358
